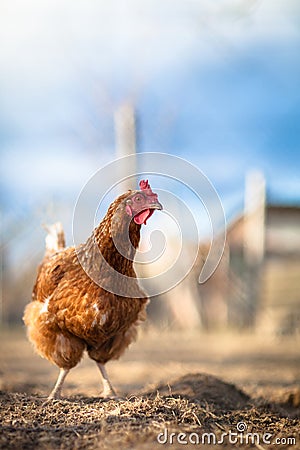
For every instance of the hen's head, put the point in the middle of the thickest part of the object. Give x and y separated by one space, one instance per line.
140 205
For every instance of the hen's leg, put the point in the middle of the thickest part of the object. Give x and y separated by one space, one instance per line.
108 390
55 393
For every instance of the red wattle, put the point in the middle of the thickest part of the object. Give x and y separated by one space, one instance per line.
142 217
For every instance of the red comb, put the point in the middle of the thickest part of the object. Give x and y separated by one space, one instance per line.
144 185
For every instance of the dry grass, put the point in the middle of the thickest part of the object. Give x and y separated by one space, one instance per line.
90 423
259 386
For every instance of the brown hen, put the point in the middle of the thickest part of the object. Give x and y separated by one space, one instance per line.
88 297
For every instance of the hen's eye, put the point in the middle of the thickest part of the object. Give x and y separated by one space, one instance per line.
138 198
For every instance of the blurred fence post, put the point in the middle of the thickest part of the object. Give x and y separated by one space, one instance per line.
254 228
254 241
125 132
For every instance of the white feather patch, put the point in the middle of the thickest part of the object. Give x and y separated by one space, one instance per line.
44 308
103 319
96 308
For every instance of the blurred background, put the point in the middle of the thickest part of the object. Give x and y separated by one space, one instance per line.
216 83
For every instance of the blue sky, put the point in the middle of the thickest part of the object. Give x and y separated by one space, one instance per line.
216 83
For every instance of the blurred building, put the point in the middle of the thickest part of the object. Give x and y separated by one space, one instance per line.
258 282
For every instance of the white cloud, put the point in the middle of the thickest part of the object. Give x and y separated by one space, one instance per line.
52 49
39 171
49 39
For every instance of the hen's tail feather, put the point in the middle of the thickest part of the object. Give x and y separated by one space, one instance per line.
55 239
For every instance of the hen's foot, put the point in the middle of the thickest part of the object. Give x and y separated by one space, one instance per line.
108 392
56 392
115 397
51 399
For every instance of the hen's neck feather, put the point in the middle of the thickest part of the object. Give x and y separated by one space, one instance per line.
117 237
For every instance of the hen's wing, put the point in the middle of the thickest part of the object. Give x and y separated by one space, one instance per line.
50 273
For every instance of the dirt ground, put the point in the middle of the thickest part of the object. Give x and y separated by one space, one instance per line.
177 390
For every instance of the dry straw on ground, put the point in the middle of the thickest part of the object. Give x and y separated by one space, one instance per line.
195 403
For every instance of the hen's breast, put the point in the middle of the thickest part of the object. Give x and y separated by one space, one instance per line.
78 305
96 315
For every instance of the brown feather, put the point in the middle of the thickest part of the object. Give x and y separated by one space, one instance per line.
70 312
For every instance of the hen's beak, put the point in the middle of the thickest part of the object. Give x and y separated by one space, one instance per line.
156 205
149 208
